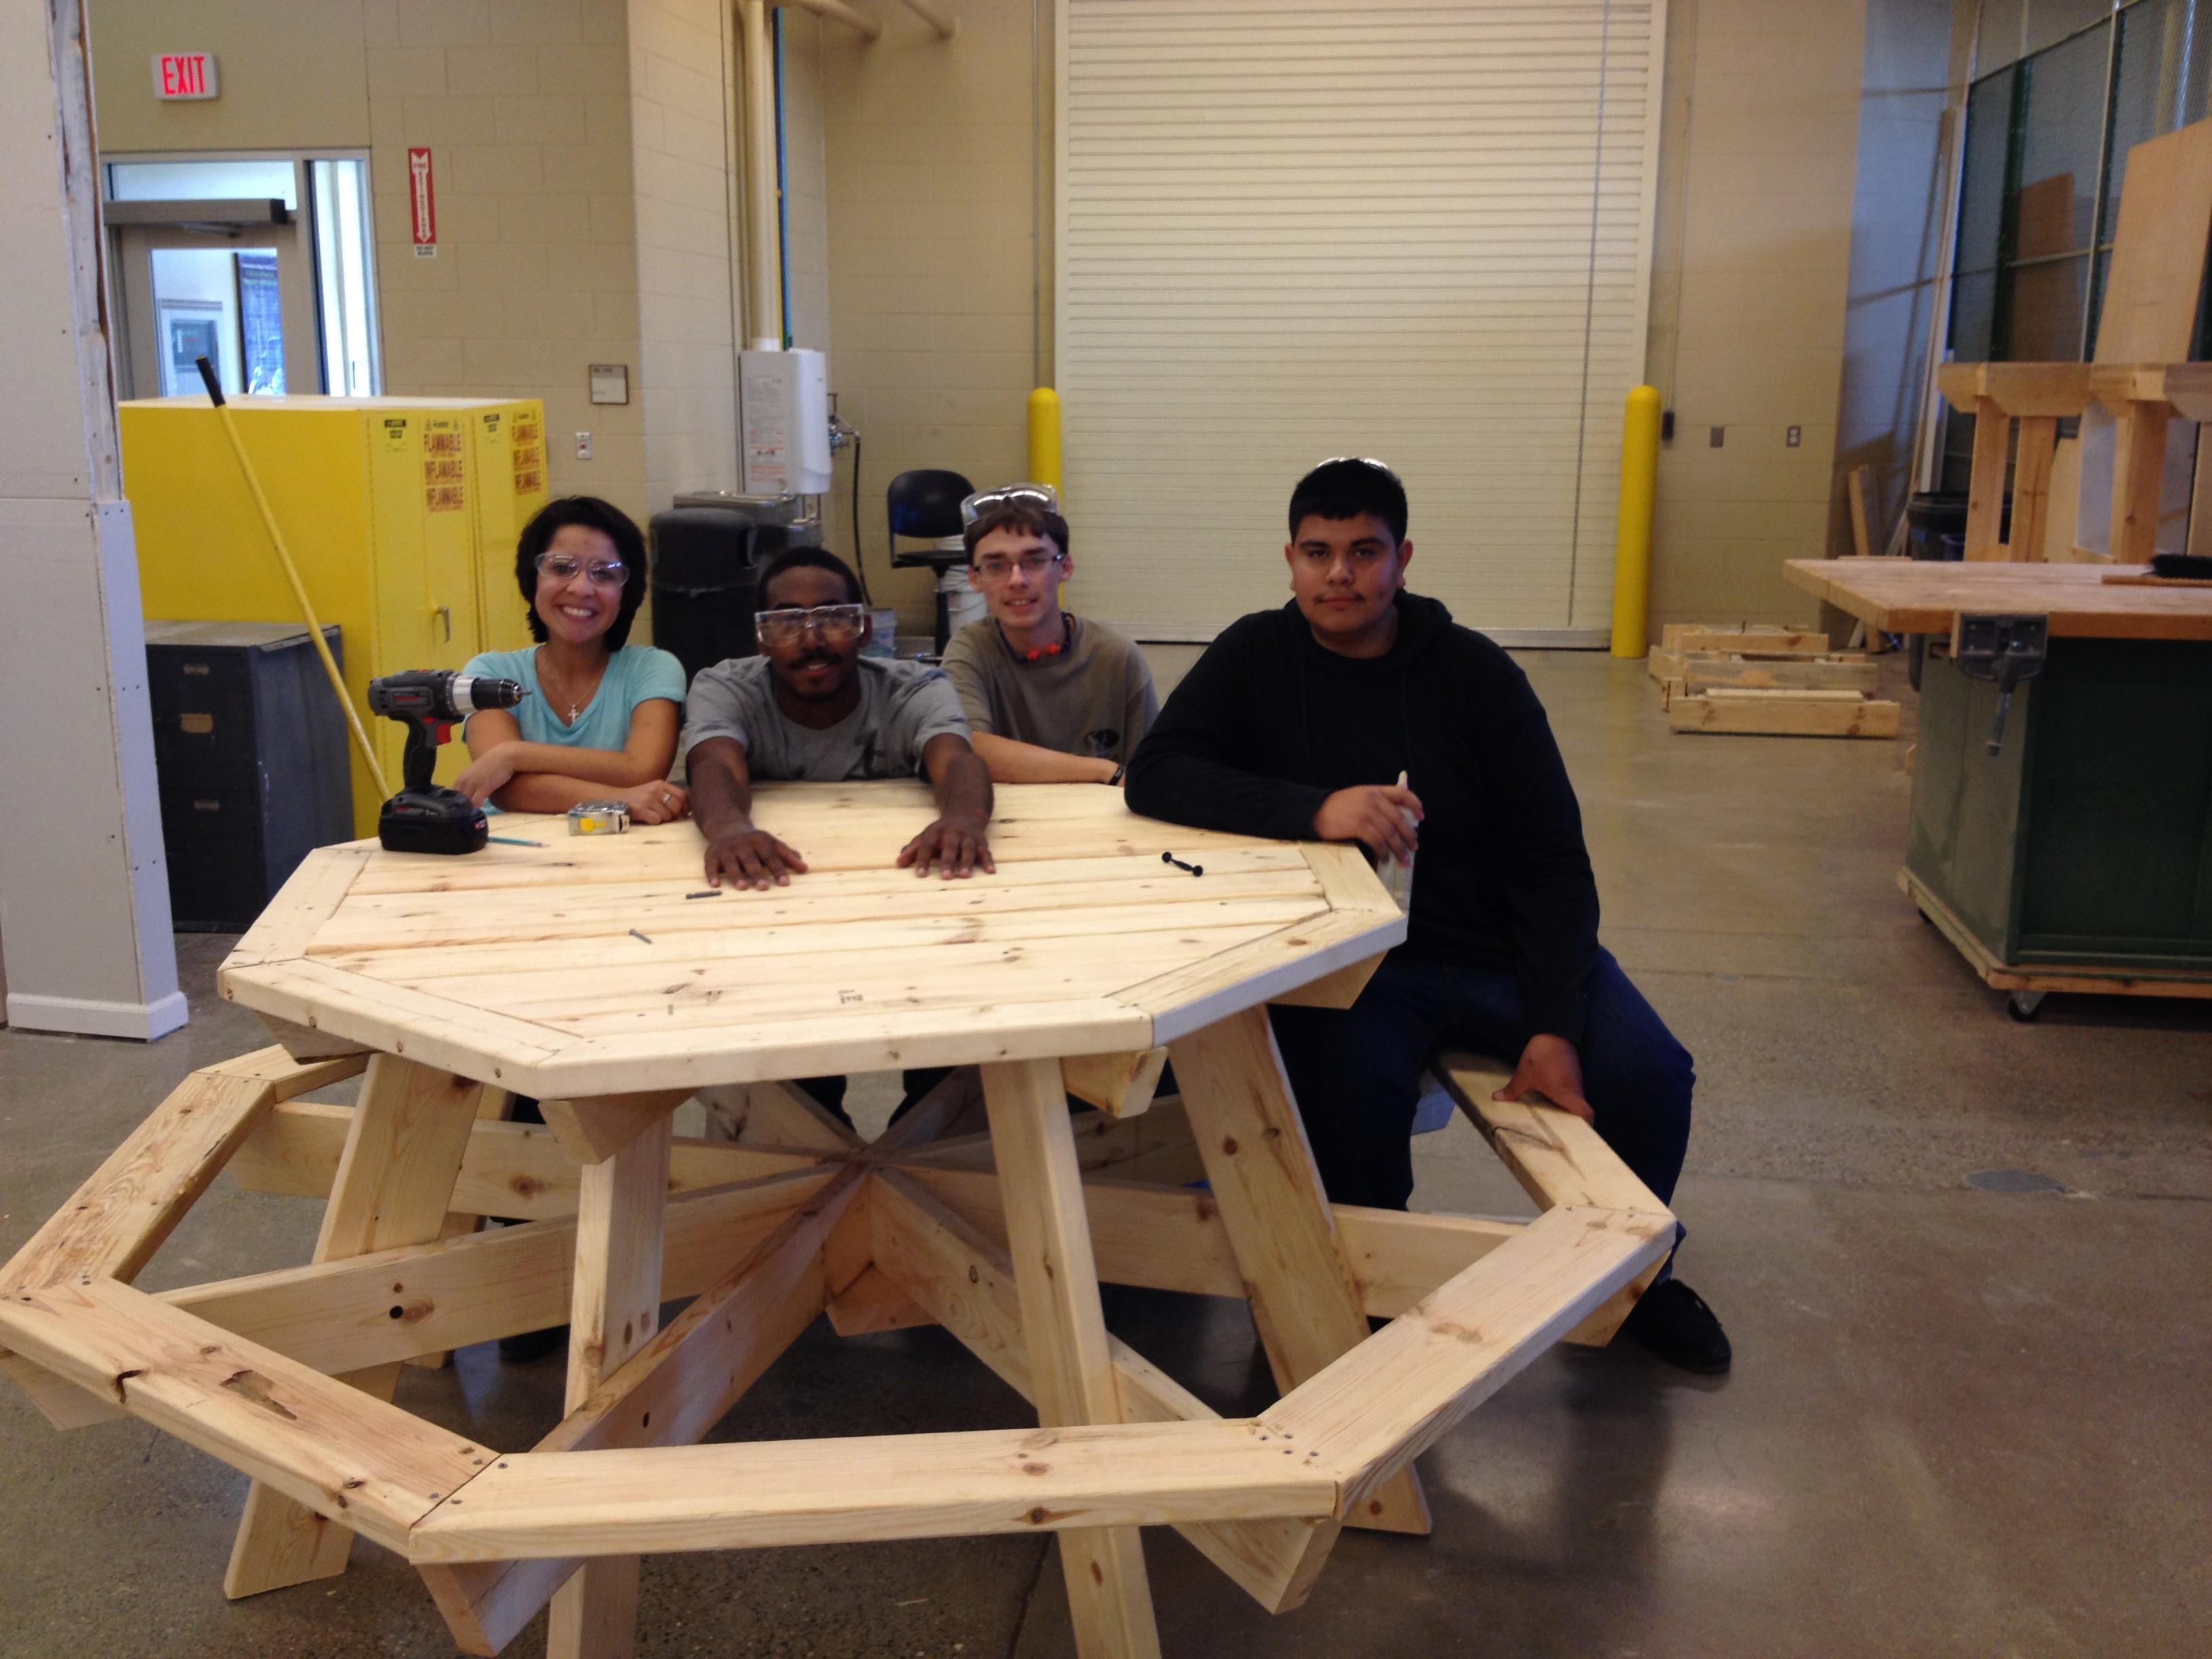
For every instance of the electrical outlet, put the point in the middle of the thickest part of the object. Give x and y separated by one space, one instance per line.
1794 437
1718 433
583 445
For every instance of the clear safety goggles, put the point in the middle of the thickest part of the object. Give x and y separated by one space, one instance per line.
837 624
565 567
1043 498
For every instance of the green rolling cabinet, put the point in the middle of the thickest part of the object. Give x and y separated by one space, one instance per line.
2085 843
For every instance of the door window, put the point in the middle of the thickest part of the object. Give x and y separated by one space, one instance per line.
288 306
220 303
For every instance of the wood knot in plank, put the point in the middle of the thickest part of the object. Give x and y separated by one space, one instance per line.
252 1386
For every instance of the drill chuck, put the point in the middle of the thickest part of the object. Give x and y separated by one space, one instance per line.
441 694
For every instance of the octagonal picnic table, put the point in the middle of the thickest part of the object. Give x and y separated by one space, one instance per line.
600 975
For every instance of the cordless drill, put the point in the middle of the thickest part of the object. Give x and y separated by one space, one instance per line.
425 817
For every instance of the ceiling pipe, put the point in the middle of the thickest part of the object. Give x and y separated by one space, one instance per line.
756 118
838 12
947 28
764 299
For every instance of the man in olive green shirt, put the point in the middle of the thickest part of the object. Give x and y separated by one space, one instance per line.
1050 697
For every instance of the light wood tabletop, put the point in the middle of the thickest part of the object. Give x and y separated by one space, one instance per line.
1914 596
593 964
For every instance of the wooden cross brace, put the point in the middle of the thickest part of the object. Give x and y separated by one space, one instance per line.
283 1374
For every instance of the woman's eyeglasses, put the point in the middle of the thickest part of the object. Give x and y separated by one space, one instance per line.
1043 498
836 624
565 567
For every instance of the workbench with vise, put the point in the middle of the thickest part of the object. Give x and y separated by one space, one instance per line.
2062 793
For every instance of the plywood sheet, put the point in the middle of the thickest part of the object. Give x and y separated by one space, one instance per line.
2158 250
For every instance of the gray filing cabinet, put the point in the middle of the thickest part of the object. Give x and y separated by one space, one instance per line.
250 747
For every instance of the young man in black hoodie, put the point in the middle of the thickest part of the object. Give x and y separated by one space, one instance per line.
1295 724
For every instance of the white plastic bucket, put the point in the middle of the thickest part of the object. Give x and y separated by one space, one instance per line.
962 604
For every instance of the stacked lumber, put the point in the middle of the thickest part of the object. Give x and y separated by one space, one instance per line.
1775 682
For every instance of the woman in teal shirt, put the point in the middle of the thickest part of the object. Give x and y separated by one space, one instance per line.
600 721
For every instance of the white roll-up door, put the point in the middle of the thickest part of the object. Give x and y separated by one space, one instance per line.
1289 230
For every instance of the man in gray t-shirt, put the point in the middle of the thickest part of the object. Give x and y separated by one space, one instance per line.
810 708
902 706
1050 699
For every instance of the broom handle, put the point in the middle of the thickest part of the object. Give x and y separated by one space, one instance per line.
292 575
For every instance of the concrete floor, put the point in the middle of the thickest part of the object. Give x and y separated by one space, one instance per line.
1960 1421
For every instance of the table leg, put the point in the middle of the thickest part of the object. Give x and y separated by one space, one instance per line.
615 1309
493 1104
1072 1371
2138 480
1986 485
402 1154
1304 1299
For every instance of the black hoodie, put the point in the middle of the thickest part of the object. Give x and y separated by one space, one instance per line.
1268 723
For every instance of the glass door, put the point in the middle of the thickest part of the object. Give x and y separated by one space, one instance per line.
245 298
263 265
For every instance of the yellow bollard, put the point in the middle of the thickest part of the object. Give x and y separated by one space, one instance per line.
1044 436
1639 481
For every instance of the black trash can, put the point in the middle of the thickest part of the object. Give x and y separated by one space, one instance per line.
703 583
1931 517
1935 529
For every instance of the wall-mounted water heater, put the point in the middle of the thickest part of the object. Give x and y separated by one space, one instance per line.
783 416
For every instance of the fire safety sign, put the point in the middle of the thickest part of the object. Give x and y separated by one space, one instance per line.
422 204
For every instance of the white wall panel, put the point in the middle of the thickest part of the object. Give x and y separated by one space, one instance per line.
1292 230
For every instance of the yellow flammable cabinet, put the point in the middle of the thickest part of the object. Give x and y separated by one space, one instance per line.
506 485
377 501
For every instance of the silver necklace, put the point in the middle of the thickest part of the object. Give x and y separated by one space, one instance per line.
575 709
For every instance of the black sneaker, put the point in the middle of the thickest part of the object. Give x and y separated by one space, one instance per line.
526 1346
1673 1321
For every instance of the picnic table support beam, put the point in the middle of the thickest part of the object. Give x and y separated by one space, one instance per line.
1071 1367
1304 1298
402 1154
615 1310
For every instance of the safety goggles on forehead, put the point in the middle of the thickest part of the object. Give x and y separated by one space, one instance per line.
836 624
1042 498
1383 467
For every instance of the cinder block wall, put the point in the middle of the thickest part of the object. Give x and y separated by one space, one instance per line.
680 70
584 202
931 292
525 106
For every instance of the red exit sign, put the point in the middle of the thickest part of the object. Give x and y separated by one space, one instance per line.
180 75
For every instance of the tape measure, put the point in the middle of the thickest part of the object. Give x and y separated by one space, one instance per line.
599 817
